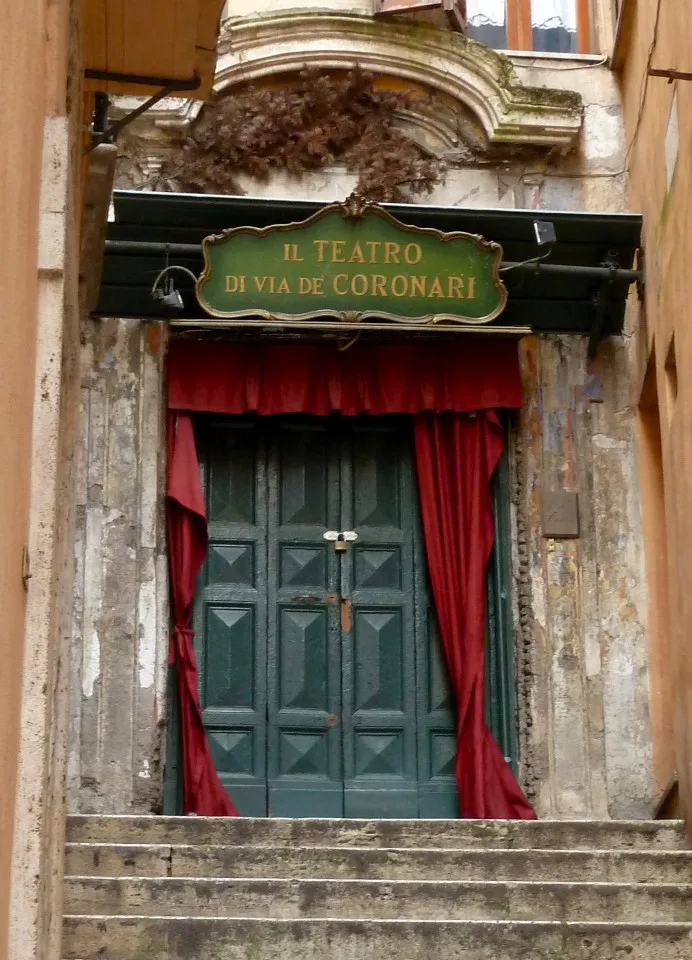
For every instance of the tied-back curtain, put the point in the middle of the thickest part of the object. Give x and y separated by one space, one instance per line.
455 456
203 793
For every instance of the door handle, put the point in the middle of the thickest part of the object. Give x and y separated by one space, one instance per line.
307 596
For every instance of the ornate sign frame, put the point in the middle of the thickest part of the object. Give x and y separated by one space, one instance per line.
470 248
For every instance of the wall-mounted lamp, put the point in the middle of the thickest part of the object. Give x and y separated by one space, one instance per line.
166 294
544 231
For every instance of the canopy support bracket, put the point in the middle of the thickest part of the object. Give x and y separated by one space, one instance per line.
107 132
600 304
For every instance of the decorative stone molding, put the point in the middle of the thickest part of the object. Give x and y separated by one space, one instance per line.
171 113
467 71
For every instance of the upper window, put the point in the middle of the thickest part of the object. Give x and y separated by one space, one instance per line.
546 26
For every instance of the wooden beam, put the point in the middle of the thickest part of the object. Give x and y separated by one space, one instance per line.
519 29
583 26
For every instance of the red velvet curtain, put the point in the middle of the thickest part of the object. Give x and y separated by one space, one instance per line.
203 793
456 455
319 379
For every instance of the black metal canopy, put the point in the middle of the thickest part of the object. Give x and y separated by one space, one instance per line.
581 288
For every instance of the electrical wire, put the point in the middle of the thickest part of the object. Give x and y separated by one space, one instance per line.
552 66
170 269
515 266
645 84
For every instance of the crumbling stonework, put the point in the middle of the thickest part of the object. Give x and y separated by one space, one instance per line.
120 640
584 723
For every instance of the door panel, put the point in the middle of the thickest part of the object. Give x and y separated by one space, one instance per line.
304 677
230 615
436 717
379 712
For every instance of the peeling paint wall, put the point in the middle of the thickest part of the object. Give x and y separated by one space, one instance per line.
121 615
582 658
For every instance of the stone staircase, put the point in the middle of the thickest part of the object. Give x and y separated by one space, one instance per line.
187 888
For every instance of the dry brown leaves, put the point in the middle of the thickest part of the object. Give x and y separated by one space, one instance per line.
318 121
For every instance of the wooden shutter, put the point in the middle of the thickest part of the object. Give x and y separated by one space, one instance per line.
455 9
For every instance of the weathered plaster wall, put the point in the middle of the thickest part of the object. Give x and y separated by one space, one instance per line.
120 641
580 604
582 657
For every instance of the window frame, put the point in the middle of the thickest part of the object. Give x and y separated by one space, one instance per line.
518 26
520 30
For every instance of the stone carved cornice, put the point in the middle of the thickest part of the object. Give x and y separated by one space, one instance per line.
467 71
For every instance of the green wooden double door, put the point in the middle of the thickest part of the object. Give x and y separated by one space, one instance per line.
322 679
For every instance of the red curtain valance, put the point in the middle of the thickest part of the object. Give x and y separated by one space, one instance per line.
367 378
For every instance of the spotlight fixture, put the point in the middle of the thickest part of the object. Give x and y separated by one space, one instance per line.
545 232
166 294
546 238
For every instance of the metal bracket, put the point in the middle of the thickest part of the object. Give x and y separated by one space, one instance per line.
669 74
168 86
600 303
641 282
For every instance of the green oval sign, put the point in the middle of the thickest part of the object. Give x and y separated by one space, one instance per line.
353 266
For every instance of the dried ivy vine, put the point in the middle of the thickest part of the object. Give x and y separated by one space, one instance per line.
315 122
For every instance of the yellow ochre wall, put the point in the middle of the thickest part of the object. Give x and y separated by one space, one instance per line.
659 35
24 78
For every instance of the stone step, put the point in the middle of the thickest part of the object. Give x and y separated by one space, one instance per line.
383 900
615 866
460 834
183 938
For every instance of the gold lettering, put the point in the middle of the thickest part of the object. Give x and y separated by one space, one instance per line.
418 285
271 284
312 285
338 251
471 295
340 276
362 284
411 250
260 282
399 289
320 244
283 286
455 288
235 284
356 254
373 246
287 251
436 289
391 250
378 282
